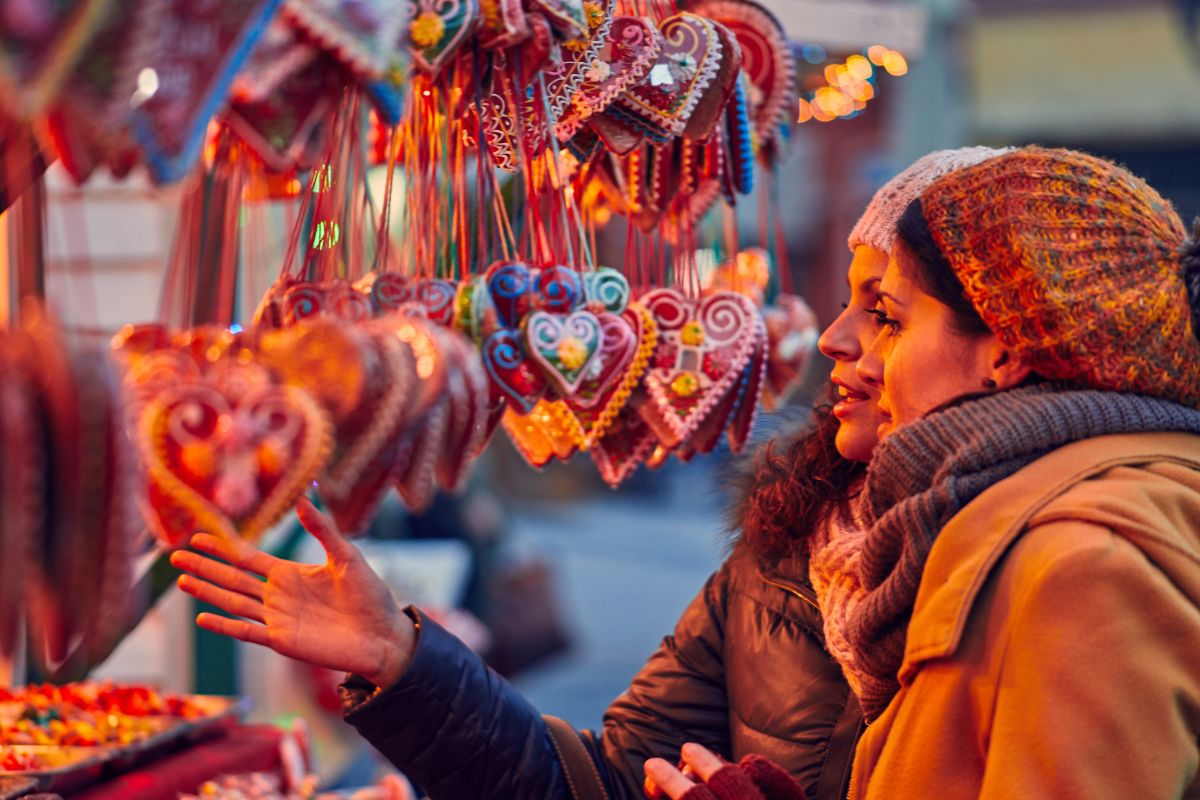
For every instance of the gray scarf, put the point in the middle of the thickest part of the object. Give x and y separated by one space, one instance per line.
925 473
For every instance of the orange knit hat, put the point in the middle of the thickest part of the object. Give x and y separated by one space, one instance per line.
1075 264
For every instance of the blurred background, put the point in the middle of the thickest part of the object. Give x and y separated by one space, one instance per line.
567 585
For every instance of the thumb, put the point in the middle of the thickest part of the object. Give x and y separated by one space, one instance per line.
324 530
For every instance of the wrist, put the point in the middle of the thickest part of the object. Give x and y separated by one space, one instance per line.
394 651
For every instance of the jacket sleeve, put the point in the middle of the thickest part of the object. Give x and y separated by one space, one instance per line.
678 696
1099 688
457 728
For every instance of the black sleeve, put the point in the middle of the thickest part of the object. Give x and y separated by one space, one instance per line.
458 729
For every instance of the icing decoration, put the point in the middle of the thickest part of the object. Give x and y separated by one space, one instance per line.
514 376
565 348
684 68
606 288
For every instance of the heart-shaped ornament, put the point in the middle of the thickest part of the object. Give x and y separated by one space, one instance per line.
502 24
623 447
387 291
622 61
363 35
750 393
227 461
579 55
414 473
618 136
510 285
559 289
510 373
597 406
767 61
702 350
713 100
684 68
467 395
565 348
437 296
607 289
438 30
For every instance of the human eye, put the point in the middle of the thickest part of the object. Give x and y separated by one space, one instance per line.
882 320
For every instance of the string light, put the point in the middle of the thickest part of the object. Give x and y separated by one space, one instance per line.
847 87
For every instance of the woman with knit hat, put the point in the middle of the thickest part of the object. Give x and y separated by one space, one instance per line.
745 670
1028 622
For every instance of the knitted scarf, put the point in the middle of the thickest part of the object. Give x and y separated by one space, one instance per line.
924 473
833 570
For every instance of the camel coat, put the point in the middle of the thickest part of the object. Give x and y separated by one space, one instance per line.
1054 648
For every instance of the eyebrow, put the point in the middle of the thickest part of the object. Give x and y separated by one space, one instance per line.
866 285
891 297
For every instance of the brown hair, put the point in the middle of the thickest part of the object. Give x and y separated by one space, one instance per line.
921 258
795 481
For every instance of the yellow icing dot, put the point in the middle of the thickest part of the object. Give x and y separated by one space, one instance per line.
427 29
572 353
594 13
685 384
692 334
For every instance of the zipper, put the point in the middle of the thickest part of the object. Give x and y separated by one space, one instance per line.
807 596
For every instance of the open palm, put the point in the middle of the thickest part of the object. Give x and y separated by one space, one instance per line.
337 615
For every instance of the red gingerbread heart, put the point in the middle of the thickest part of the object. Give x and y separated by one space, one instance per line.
623 60
629 342
685 67
702 351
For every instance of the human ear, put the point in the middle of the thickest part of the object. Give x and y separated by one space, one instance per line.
1007 369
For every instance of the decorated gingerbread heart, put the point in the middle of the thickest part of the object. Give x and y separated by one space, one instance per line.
387 291
437 296
702 350
684 68
467 408
606 288
714 99
438 29
622 61
229 459
623 447
502 24
629 342
566 348
558 289
510 373
510 284
579 54
363 35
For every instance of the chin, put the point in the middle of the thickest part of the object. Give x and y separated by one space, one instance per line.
855 442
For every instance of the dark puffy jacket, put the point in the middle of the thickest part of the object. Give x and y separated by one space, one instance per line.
744 672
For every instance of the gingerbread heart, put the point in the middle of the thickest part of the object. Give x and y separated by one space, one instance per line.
515 126
438 29
466 426
549 431
565 348
387 291
414 473
622 61
702 350
510 373
502 24
767 61
229 461
437 296
749 393
559 289
683 70
713 100
362 35
562 80
597 407
510 285
619 346
740 145
624 446
606 288
618 136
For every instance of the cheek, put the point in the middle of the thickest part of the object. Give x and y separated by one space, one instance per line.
926 370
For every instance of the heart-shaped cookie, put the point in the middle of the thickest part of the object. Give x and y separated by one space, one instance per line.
414 473
623 447
467 408
565 348
702 350
559 289
510 373
438 29
437 296
597 407
510 285
711 106
750 393
606 288
579 54
227 461
364 35
387 291
767 61
684 68
622 61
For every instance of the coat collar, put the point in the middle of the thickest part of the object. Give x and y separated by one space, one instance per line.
976 539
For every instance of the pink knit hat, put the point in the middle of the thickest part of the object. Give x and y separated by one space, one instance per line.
877 226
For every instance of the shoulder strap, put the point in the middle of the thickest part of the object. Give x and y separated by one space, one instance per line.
581 772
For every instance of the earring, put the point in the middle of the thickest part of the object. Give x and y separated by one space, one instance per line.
988 383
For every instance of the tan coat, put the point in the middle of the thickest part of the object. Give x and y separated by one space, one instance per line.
1054 649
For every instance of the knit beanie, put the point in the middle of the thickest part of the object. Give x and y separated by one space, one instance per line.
1076 265
877 226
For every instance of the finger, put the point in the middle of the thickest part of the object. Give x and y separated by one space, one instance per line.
236 552
701 759
227 601
218 573
235 628
325 531
667 778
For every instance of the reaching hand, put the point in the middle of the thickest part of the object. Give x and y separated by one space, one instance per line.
337 615
753 778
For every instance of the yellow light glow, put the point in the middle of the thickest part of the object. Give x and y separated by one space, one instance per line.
876 54
859 67
831 73
895 64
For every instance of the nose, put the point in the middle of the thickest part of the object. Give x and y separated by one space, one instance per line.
870 366
837 341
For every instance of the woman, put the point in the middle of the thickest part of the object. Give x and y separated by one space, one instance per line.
1029 620
745 670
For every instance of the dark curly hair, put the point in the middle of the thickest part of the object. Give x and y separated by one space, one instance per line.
1190 257
793 483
